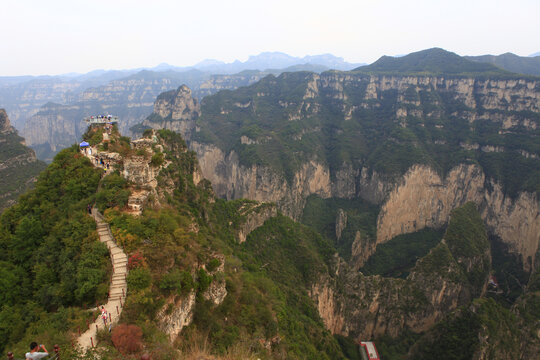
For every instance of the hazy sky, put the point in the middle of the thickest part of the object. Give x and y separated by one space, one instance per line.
60 36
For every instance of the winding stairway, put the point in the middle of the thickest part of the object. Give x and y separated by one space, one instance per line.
117 287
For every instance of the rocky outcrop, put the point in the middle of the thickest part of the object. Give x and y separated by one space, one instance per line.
178 312
516 221
175 315
175 110
341 223
138 170
19 166
254 215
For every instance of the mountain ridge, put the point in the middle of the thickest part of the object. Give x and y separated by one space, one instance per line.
430 61
511 62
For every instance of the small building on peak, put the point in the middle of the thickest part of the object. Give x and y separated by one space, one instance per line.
101 119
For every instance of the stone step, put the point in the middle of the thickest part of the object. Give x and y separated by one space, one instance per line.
117 292
119 285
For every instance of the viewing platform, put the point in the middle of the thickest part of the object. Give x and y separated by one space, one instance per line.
101 119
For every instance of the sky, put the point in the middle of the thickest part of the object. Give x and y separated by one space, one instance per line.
63 36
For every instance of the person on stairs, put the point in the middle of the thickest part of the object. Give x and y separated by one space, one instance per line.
34 354
104 315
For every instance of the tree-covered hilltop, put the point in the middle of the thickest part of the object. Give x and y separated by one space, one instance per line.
511 62
433 61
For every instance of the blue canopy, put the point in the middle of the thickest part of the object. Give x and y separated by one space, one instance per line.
83 144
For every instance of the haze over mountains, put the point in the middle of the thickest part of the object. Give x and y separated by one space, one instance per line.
289 214
48 109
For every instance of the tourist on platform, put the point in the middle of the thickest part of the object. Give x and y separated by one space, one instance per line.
34 354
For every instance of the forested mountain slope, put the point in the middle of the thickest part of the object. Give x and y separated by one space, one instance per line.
235 279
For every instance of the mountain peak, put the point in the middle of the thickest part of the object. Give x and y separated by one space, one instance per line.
434 60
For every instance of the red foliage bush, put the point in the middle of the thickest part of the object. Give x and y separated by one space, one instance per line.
136 260
127 338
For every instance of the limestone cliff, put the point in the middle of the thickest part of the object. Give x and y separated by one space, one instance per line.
232 180
19 166
410 201
423 199
364 307
451 275
175 110
55 126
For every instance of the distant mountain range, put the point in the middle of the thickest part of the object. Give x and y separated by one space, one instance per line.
22 96
48 109
535 54
264 61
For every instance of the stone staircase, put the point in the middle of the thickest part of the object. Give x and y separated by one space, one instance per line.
117 287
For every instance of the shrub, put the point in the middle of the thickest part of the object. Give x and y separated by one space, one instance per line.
213 265
127 338
139 279
148 133
157 159
135 261
204 280
142 152
186 281
171 282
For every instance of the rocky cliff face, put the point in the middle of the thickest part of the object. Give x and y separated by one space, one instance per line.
364 307
419 198
178 312
19 166
451 275
227 82
175 110
56 126
232 180
423 199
